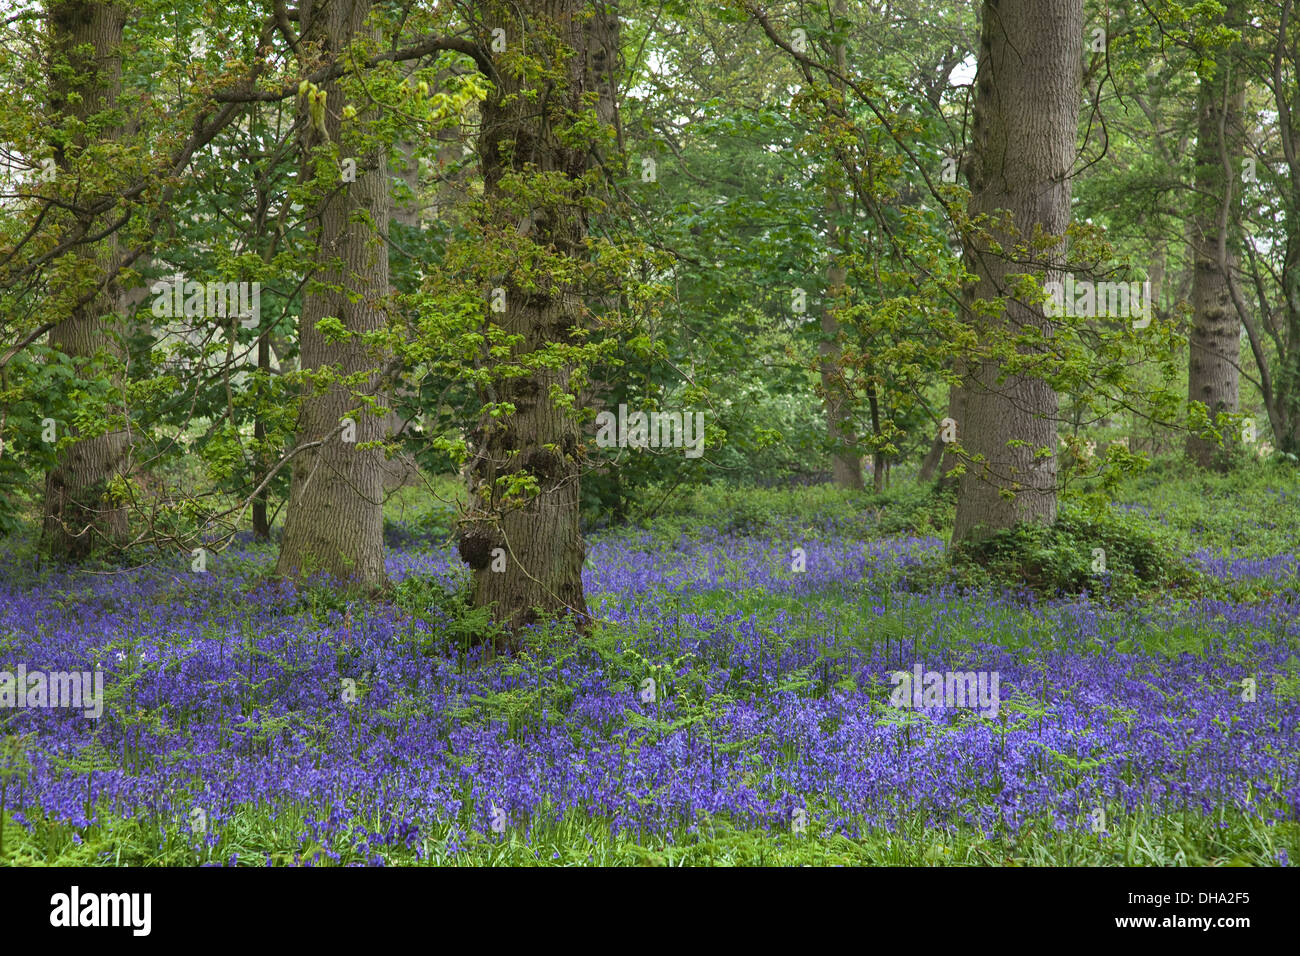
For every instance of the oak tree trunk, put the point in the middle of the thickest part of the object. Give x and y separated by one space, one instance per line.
525 548
86 78
1026 113
1214 342
334 522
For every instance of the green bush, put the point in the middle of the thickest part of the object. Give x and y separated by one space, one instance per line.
1083 551
916 509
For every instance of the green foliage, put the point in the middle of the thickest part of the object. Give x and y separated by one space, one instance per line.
1083 551
746 509
916 509
256 835
1250 511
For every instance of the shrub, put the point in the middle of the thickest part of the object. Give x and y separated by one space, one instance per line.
1122 553
916 510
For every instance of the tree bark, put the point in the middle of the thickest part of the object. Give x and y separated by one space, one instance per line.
1214 342
1026 114
401 469
846 462
930 463
261 501
334 522
605 67
941 457
533 538
86 78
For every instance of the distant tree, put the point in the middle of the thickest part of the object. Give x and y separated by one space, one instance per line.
846 460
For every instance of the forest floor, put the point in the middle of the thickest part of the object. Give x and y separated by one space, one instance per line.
735 703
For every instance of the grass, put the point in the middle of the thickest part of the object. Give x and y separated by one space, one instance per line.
1222 839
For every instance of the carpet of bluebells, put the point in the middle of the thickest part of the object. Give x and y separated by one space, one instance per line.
770 699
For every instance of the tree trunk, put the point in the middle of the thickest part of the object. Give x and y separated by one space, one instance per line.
1214 343
261 519
334 521
605 67
930 463
1284 393
264 460
1026 115
846 462
401 469
1285 414
940 458
526 549
86 78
